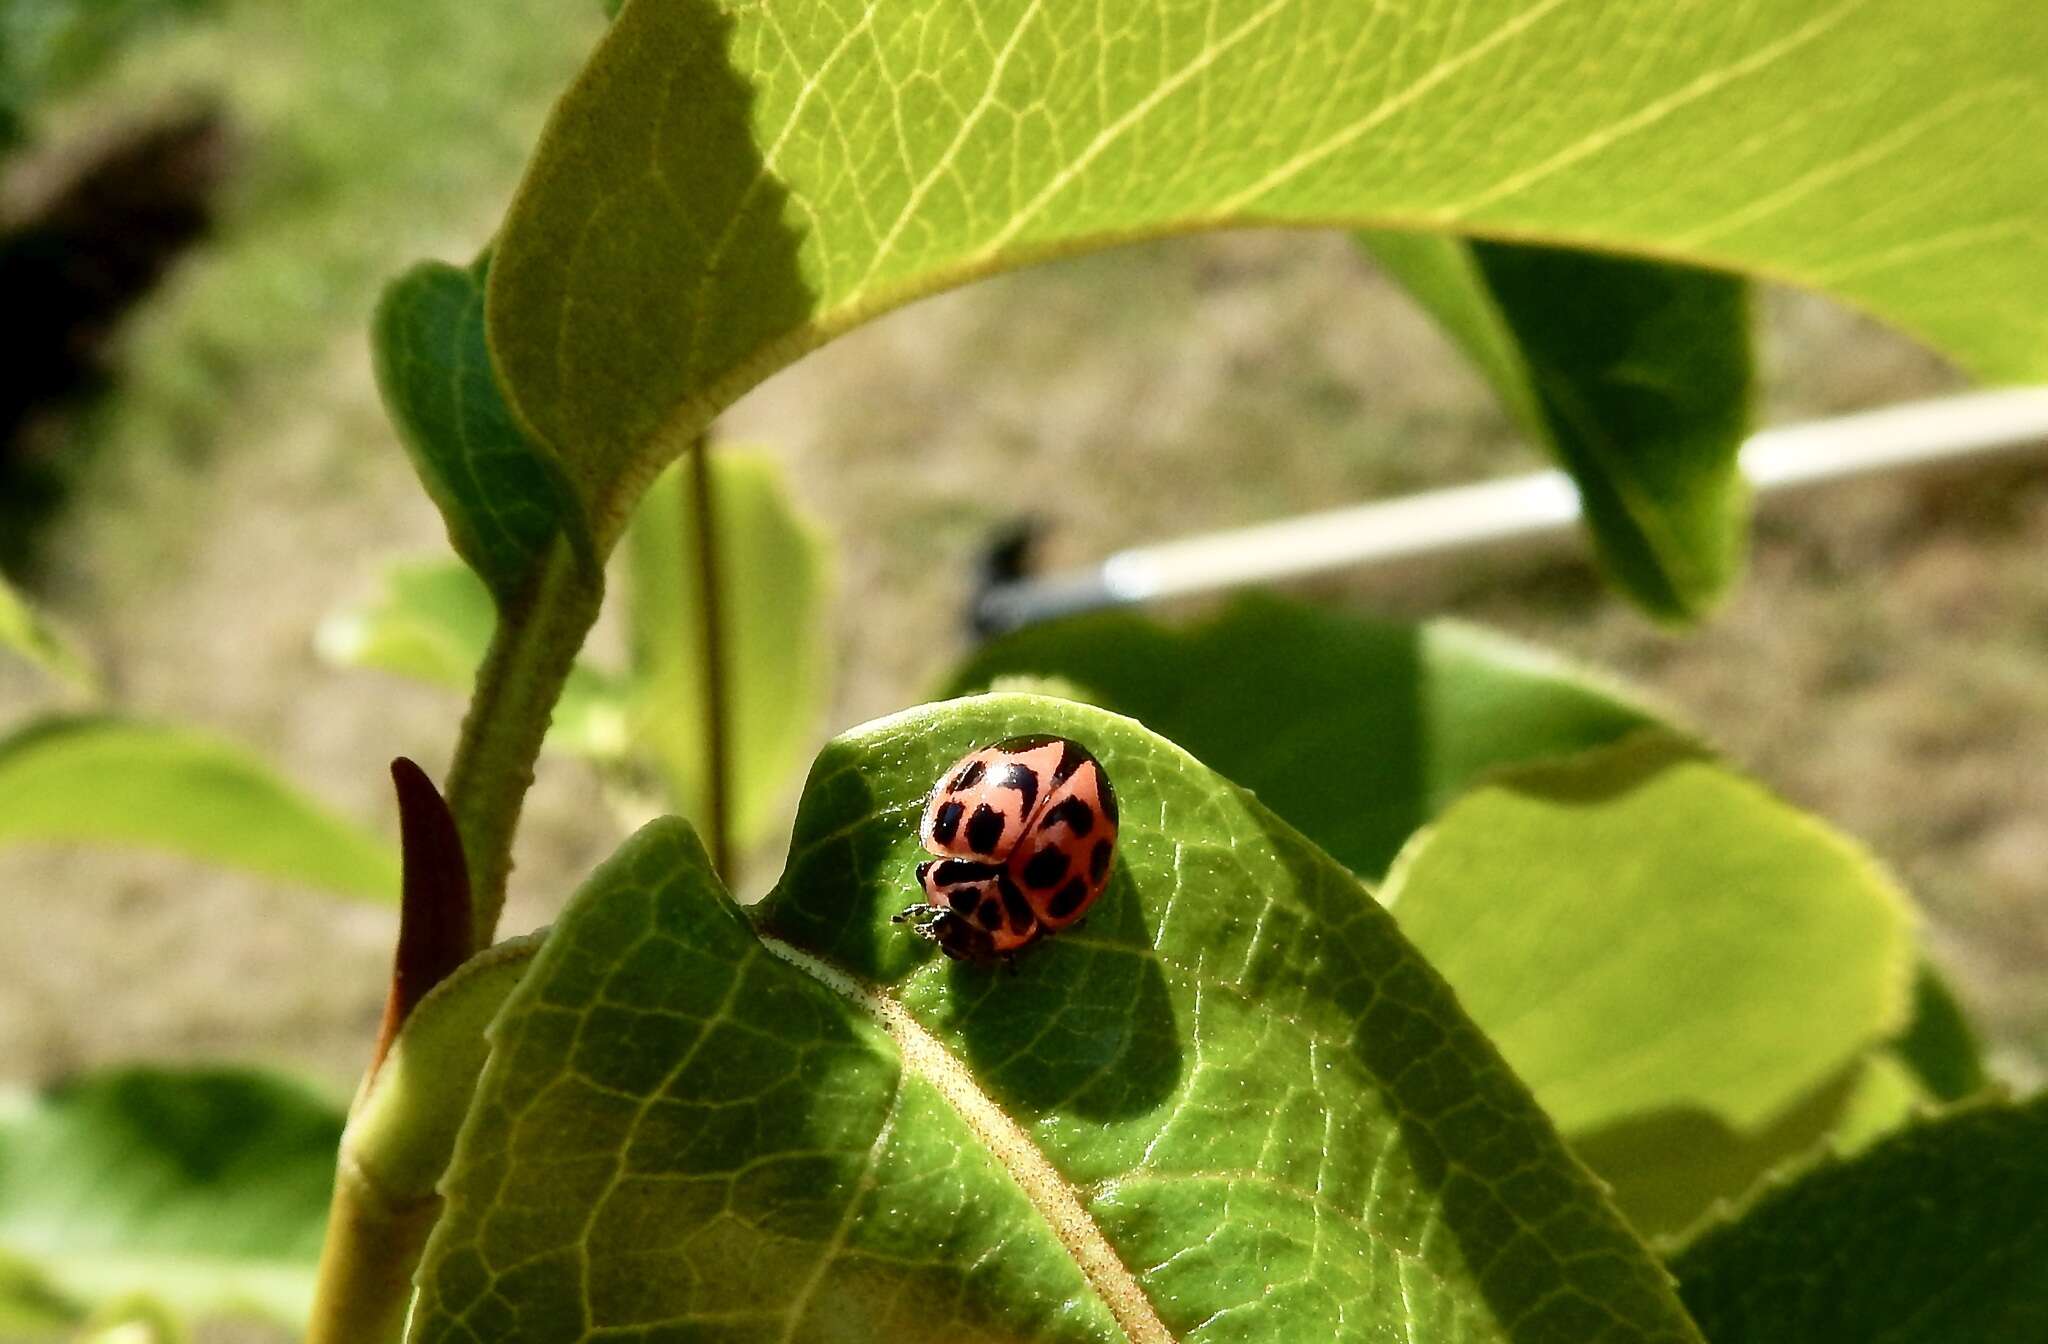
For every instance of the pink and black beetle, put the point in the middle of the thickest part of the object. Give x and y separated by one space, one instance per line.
1025 831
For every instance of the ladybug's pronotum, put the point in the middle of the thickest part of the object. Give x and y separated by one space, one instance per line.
1025 831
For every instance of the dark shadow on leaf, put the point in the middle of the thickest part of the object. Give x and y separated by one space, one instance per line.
1668 1167
1084 1024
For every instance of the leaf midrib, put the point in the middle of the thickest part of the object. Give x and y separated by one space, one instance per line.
1056 1200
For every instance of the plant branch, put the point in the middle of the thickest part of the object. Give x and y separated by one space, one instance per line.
697 495
531 652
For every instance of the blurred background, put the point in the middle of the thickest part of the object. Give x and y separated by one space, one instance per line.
195 470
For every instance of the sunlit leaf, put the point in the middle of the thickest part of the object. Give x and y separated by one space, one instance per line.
729 185
772 587
25 632
1938 1235
1636 375
431 620
105 780
1236 1104
1669 957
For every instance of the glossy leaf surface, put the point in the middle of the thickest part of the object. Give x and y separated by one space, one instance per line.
1234 1105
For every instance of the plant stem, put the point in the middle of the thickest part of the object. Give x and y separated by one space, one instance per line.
364 1287
531 652
697 495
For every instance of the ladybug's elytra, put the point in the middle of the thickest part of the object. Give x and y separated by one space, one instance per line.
1025 830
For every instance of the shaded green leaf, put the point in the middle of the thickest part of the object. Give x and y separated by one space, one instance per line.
202 1189
501 495
24 631
403 1127
728 185
105 780
773 582
431 620
1671 1167
1635 375
1937 1235
1235 1105
1664 952
1355 730
1938 1044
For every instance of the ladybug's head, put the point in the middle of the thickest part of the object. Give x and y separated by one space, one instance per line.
959 939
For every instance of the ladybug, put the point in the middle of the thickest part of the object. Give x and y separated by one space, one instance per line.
1024 830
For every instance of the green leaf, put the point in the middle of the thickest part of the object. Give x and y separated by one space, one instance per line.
1635 375
501 494
431 620
24 631
204 1189
1235 1105
1665 953
1670 1168
402 1129
1355 730
729 185
1938 1044
1938 1235
104 780
772 569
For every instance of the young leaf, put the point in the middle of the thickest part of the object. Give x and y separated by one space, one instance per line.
105 780
205 1189
1689 955
1635 375
1935 1236
1355 730
1235 1105
771 565
431 621
728 185
501 495
25 632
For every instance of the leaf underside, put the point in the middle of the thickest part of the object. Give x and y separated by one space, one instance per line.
728 185
1635 375
1234 1105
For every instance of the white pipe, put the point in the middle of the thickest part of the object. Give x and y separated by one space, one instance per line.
1544 503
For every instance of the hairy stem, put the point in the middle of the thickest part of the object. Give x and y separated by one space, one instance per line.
697 495
531 652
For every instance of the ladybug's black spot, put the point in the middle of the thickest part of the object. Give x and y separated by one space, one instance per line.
1098 862
1019 913
989 914
1046 869
1069 900
1072 757
960 872
1108 795
1079 817
968 777
984 830
923 871
946 822
1024 780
